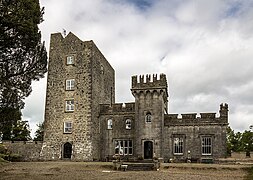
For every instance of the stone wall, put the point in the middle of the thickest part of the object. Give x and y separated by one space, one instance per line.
29 151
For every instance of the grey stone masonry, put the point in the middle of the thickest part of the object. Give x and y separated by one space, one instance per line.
83 122
93 84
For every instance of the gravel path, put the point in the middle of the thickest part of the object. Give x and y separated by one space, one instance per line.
99 170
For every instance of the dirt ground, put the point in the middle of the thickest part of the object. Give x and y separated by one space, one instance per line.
101 170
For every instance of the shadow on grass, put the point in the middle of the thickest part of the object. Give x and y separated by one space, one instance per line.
249 171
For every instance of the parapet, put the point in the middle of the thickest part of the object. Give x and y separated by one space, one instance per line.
117 108
191 119
149 82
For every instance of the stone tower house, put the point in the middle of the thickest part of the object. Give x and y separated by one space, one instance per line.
79 79
83 122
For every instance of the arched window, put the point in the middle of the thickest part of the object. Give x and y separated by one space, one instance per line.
148 117
109 124
128 124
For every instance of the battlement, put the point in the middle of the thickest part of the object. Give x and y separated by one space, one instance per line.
194 119
117 108
149 82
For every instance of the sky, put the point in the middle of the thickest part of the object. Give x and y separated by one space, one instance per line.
204 47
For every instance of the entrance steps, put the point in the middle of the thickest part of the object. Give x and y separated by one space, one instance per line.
134 166
147 165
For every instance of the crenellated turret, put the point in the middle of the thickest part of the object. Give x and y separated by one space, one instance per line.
154 82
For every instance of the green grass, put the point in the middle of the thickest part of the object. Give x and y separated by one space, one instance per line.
249 173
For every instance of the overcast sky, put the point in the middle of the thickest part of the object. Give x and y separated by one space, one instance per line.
204 47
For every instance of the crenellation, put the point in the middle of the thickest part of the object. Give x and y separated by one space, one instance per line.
139 83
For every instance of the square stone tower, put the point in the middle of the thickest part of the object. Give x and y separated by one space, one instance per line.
79 79
151 102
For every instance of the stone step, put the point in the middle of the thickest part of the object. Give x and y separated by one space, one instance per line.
139 166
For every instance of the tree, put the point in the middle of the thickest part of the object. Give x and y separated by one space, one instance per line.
39 134
10 118
21 131
23 58
238 142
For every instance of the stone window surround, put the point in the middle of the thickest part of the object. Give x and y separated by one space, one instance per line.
128 123
178 145
148 117
206 145
69 105
70 59
67 127
109 123
70 84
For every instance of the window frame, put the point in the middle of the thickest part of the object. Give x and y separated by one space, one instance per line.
148 117
67 130
70 60
71 85
123 147
70 107
206 145
178 149
128 124
109 124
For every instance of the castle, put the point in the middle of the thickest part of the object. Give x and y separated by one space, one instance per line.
83 122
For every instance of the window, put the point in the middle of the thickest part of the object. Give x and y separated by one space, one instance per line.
70 105
178 146
128 124
70 60
124 147
109 124
206 145
148 117
68 127
70 84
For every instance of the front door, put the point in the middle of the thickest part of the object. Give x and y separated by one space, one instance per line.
148 150
67 150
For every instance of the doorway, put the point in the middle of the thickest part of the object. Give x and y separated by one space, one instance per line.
67 150
148 150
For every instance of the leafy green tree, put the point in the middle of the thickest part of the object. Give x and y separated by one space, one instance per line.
39 134
21 131
11 116
238 142
247 142
23 58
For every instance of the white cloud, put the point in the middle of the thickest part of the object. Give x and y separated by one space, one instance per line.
204 47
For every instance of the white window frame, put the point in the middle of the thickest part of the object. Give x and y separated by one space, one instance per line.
148 117
128 124
109 124
178 145
70 59
69 105
206 145
70 84
123 147
68 125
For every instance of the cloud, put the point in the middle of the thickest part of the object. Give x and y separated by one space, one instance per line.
204 47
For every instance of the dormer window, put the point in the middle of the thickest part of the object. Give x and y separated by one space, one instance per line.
70 60
128 124
148 117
